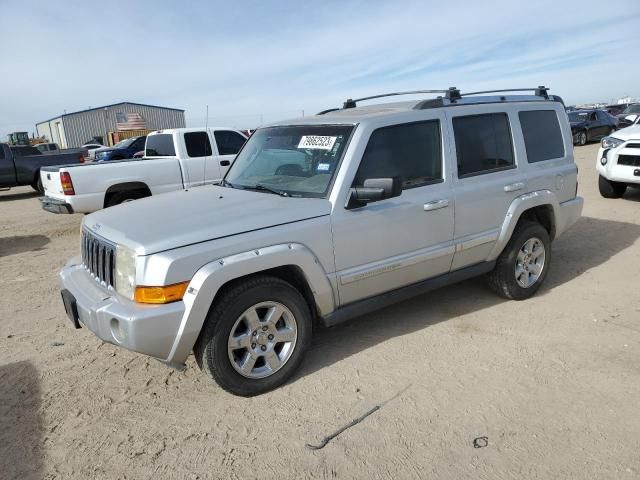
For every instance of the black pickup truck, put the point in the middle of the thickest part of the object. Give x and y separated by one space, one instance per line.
20 165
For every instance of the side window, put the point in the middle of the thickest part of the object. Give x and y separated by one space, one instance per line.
542 135
483 143
411 151
139 144
198 144
1 152
229 143
592 117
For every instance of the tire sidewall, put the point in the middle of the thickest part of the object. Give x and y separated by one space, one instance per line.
216 359
582 138
529 231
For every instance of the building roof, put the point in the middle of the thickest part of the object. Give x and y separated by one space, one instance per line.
108 106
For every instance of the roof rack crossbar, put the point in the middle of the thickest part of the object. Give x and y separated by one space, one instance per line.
351 103
540 91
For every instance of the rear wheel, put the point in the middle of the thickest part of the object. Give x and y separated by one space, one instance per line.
609 189
255 337
582 138
37 185
123 197
523 264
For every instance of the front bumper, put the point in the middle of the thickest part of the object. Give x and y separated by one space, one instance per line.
55 206
148 329
616 172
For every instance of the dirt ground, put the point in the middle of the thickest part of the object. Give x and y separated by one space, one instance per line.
553 383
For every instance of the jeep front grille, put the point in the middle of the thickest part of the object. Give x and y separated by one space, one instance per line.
99 258
630 160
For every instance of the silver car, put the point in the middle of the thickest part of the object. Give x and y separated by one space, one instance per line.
325 218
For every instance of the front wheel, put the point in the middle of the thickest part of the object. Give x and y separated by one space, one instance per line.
255 337
609 189
523 264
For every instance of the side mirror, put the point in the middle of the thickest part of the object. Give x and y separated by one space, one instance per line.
373 190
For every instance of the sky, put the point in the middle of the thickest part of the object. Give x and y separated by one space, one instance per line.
254 62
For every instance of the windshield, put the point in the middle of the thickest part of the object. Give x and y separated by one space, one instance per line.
631 109
125 143
578 116
297 161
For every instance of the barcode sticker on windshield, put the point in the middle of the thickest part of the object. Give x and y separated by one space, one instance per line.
319 142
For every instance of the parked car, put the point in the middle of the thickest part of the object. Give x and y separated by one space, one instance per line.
615 110
618 161
175 159
121 150
590 125
20 165
325 218
92 148
629 115
47 147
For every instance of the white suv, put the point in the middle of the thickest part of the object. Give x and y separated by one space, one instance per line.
325 218
619 161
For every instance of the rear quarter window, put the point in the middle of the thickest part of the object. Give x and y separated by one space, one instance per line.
542 135
483 143
160 145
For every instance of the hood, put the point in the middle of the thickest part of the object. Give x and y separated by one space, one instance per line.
629 133
185 217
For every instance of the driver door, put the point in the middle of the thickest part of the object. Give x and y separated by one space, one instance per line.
398 241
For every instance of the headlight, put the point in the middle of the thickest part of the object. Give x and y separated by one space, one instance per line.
611 142
125 271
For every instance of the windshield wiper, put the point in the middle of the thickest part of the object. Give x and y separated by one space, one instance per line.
264 188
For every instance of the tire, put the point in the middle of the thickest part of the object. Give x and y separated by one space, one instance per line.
582 138
609 189
37 185
229 317
123 197
505 279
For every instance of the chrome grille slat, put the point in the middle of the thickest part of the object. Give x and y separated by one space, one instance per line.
99 258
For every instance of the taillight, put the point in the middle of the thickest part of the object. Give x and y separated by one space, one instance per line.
67 184
81 158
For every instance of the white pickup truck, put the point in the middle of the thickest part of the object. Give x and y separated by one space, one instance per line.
174 159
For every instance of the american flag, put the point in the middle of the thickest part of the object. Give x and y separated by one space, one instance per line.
129 121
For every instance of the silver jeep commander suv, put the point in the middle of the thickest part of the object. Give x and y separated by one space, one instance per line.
325 218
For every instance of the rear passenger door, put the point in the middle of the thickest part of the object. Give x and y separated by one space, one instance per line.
197 163
488 178
398 241
228 143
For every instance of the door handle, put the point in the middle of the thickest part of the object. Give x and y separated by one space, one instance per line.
438 204
225 163
514 187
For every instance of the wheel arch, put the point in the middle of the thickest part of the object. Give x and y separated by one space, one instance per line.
541 206
293 263
125 187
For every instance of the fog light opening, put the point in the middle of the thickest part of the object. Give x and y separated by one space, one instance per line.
119 333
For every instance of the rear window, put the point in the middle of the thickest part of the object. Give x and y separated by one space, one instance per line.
542 135
198 144
160 145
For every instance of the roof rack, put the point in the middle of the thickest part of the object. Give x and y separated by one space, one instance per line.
350 103
452 94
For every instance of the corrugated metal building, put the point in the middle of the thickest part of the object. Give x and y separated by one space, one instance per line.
72 130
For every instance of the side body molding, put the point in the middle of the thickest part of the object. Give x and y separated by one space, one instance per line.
517 207
207 281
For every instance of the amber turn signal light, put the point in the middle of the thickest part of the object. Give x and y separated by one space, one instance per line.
166 294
